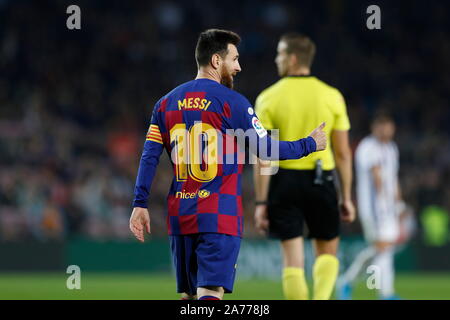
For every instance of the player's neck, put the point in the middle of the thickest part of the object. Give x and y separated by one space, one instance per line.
300 71
210 74
381 140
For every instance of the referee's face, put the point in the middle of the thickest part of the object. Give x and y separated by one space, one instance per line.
282 59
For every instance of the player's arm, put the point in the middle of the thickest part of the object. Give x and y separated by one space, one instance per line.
153 147
287 150
263 146
343 159
378 184
376 176
140 218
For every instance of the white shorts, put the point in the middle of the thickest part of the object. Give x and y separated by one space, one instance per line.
379 225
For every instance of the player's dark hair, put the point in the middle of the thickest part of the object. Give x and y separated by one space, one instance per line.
214 41
300 45
381 116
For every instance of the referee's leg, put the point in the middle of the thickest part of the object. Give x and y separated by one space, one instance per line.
323 221
326 267
293 279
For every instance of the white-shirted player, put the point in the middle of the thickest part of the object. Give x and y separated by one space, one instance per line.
379 206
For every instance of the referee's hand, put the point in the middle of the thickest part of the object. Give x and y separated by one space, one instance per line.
261 219
140 220
319 137
347 211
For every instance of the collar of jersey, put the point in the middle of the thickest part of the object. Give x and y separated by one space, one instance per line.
300 76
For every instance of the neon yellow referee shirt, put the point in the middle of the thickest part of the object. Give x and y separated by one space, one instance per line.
296 105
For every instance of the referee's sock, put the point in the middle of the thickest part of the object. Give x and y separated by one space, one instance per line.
325 271
294 284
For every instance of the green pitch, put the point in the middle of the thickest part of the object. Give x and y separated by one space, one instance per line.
162 286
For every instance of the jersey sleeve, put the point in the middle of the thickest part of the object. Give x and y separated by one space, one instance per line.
153 148
337 104
369 156
259 141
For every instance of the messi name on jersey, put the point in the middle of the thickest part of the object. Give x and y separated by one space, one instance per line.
193 103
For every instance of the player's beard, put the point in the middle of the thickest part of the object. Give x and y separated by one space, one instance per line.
226 78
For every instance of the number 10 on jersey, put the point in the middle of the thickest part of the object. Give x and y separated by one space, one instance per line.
194 151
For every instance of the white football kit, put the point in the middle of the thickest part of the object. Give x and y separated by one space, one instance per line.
377 211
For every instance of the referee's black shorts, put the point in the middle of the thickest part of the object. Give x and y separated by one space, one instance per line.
294 200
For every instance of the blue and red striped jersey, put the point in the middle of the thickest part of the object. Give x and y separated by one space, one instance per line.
197 124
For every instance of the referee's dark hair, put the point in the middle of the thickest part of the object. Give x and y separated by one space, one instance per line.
300 45
214 41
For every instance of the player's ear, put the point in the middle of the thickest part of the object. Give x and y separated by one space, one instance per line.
215 60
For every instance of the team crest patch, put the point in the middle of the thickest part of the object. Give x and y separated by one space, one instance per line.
259 127
203 194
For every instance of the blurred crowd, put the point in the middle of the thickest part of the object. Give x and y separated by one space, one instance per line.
75 104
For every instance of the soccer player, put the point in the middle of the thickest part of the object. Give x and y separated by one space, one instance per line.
194 123
379 206
303 190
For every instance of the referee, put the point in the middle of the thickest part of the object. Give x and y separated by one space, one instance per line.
303 191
